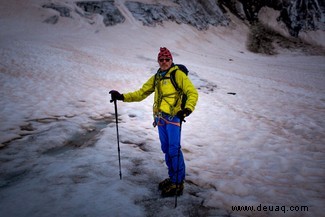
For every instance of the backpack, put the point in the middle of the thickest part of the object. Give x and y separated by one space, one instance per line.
174 83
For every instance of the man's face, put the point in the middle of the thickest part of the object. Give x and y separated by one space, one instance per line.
164 63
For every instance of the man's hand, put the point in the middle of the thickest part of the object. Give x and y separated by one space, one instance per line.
183 113
115 95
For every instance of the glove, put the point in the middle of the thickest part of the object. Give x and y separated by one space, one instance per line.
183 113
115 95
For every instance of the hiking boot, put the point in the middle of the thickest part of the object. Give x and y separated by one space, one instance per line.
172 190
164 184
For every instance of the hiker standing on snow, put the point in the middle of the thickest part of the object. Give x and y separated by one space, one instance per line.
168 115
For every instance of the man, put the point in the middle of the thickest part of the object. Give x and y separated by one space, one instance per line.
168 115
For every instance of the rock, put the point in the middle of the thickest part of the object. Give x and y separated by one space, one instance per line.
52 20
299 15
199 14
304 15
27 127
107 9
64 11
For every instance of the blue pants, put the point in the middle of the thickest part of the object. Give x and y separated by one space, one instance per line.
170 136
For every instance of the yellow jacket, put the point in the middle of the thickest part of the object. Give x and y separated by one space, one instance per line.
166 99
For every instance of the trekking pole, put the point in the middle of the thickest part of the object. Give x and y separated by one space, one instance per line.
118 138
180 130
177 178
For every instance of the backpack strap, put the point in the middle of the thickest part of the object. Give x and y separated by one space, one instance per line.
173 80
173 76
177 88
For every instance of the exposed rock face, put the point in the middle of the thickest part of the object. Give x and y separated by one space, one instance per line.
64 11
199 14
298 15
302 15
111 15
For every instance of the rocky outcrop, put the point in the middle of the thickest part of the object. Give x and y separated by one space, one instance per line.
63 11
302 15
111 15
199 14
297 15
107 9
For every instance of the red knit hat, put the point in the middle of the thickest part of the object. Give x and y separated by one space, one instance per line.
164 52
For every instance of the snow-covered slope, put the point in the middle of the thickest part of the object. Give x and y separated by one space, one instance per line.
263 146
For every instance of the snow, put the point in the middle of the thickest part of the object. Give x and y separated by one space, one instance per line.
262 146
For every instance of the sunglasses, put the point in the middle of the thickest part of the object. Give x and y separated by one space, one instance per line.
162 60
